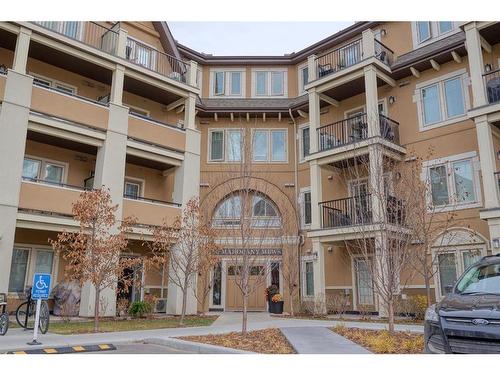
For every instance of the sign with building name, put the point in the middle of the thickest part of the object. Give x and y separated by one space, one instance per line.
251 252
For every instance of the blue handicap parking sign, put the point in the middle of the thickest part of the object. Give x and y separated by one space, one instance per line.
41 286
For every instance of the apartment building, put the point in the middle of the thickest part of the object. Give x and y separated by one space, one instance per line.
126 106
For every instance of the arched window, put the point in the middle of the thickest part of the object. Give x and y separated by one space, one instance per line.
263 212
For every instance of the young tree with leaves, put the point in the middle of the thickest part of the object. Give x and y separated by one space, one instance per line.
94 252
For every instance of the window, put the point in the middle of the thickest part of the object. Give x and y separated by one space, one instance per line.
234 145
442 101
51 83
264 214
132 189
44 170
364 282
275 274
445 26
26 261
225 145
72 29
424 31
227 83
217 145
452 264
269 83
140 53
217 285
303 78
137 111
228 212
309 279
306 207
269 145
454 182
304 142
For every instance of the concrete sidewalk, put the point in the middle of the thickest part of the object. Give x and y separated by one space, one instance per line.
320 340
227 322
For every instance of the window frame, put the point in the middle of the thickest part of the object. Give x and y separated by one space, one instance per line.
440 82
435 33
210 132
53 83
41 170
225 145
448 162
302 156
303 192
305 288
134 181
269 82
227 74
269 158
300 80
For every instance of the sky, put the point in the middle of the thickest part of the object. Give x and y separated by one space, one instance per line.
252 38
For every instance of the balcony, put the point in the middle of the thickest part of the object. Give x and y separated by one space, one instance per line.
357 210
150 211
354 129
156 132
143 55
90 33
492 84
349 55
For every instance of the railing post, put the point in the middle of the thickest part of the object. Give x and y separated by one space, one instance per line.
117 85
312 68
476 65
121 46
192 74
21 52
368 43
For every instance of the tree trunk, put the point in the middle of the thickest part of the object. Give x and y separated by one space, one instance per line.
428 291
183 311
96 309
291 302
245 315
390 313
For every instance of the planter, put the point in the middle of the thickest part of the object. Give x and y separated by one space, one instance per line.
276 307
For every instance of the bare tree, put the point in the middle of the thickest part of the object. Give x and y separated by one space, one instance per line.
93 253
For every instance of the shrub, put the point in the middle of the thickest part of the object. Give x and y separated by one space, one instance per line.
338 303
419 303
139 309
382 343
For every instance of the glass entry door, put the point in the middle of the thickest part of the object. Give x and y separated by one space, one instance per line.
452 264
364 283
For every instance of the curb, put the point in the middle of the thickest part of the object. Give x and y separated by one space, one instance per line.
195 347
67 349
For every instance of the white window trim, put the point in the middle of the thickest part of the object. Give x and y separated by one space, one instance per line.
269 82
300 79
270 146
227 82
435 35
53 82
362 108
135 180
462 73
30 267
307 259
448 161
224 146
302 206
301 142
45 161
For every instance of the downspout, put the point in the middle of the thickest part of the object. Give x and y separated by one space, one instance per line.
296 182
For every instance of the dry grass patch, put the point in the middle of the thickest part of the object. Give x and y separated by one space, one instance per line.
381 342
267 341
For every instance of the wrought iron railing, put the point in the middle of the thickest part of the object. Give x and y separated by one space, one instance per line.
54 183
150 200
339 58
90 33
354 129
492 85
384 53
152 59
357 210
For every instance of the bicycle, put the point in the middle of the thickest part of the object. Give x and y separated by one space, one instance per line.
26 312
4 315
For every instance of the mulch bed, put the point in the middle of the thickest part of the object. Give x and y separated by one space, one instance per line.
267 341
381 342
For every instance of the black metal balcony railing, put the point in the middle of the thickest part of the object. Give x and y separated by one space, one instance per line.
151 200
384 53
354 129
54 183
492 85
152 59
339 58
90 33
357 210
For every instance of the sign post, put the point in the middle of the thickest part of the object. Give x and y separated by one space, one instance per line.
39 291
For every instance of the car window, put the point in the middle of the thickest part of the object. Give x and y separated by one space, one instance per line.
480 279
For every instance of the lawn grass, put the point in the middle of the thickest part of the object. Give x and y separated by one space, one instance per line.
112 325
266 341
381 342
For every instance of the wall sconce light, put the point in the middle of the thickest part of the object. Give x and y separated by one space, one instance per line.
487 68
330 177
383 32
330 249
392 99
397 176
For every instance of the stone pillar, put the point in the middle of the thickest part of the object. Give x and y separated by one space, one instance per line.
371 97
312 67
476 64
121 46
316 194
376 185
110 173
368 42
314 120
13 128
192 73
319 275
488 162
186 186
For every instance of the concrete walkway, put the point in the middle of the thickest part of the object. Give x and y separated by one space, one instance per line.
320 340
227 322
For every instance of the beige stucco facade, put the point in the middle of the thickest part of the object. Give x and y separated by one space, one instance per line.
139 110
